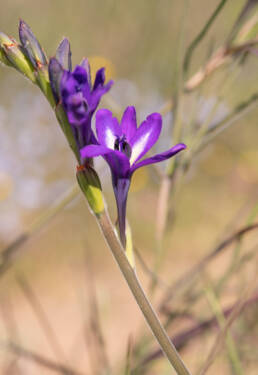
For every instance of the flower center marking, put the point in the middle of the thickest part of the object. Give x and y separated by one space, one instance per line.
120 144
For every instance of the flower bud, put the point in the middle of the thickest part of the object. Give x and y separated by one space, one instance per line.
13 52
64 55
37 58
55 71
31 46
3 58
89 183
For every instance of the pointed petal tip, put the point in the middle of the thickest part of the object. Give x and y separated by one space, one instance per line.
103 112
22 23
63 54
23 26
109 84
65 40
181 146
64 44
154 116
129 108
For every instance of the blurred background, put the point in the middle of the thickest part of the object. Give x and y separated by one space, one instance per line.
46 295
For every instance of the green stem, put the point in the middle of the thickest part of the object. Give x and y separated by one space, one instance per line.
201 35
139 295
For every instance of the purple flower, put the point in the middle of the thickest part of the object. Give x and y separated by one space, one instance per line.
80 99
122 146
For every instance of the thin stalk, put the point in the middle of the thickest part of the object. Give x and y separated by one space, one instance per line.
226 86
237 113
139 295
239 307
189 276
201 35
165 187
218 312
177 125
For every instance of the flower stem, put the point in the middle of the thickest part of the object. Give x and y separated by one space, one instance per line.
139 295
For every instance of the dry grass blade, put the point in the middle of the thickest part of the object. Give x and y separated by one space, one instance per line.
153 276
41 317
93 333
11 327
201 35
248 6
183 338
214 303
219 342
188 276
11 251
9 320
221 57
128 362
39 359
13 367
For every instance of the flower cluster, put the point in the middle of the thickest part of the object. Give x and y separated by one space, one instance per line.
75 99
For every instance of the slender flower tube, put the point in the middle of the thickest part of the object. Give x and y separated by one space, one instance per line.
122 146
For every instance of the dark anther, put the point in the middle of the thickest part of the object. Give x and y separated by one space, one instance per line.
116 145
126 149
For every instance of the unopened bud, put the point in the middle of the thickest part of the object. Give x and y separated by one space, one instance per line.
89 183
13 52
31 46
3 58
64 55
55 71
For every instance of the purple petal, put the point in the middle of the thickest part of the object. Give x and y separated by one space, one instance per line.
128 123
80 75
159 157
91 151
67 85
85 64
55 71
107 128
118 162
146 136
76 109
97 93
99 79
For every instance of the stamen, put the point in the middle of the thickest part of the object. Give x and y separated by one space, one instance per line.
116 144
121 145
126 149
